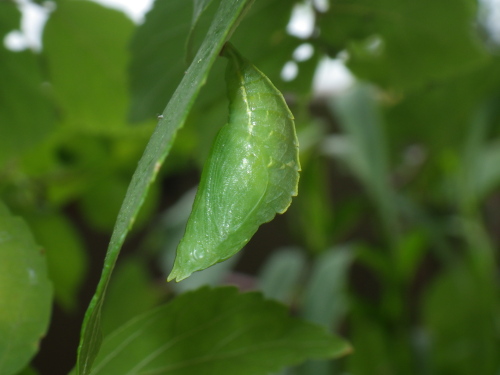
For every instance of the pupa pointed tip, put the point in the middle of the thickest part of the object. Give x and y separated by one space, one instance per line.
177 276
172 276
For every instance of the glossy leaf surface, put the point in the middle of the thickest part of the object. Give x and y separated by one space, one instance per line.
251 174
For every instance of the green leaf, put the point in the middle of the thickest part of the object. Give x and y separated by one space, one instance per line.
313 206
131 292
101 203
372 355
28 371
404 44
10 18
487 172
22 126
266 23
280 276
26 294
159 146
214 332
411 250
437 117
365 151
199 24
325 299
479 172
66 256
199 6
459 313
85 47
158 49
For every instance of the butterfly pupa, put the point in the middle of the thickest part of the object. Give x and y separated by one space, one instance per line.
251 173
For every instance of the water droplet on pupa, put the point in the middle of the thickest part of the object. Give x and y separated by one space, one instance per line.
197 254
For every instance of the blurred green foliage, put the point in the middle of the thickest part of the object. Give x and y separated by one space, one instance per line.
393 239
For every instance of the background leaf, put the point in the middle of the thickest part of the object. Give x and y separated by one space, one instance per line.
158 64
214 331
386 38
131 292
364 149
26 114
325 300
280 276
66 257
84 39
26 294
461 335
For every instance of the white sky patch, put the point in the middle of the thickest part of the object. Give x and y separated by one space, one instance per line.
490 16
332 77
303 52
135 9
289 71
301 23
32 22
321 5
15 41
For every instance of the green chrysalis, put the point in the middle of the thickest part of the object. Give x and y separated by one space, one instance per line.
251 173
